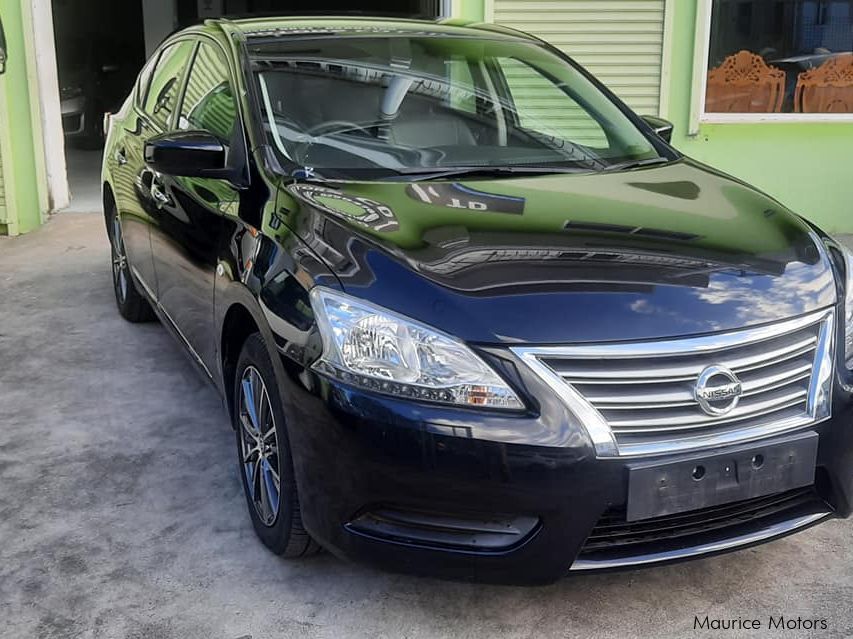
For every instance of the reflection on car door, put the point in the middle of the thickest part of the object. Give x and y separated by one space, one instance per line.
156 97
125 163
185 239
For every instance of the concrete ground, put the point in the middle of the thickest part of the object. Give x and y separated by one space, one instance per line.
121 513
84 170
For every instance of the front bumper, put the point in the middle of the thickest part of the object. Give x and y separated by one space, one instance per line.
73 116
519 499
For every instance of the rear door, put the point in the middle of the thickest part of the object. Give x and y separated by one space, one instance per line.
156 98
125 163
191 211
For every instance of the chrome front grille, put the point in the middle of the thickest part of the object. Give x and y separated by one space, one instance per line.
640 398
654 395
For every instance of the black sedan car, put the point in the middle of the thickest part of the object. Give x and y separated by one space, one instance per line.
471 316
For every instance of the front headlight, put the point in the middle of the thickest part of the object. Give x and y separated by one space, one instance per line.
377 349
848 308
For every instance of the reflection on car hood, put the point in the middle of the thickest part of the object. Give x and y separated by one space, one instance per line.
657 252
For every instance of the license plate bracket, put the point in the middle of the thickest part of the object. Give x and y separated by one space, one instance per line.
656 489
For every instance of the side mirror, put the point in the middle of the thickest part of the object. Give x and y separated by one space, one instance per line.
3 57
188 154
663 128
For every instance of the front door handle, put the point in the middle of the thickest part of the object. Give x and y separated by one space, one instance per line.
121 157
159 196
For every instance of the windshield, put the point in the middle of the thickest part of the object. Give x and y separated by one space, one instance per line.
358 106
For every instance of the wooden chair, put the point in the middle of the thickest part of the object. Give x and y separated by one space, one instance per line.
827 88
744 83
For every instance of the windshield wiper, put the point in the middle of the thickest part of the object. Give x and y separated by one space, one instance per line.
634 164
483 171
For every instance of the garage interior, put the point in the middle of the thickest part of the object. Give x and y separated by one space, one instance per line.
101 45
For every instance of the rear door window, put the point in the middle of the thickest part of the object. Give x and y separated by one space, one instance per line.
162 95
144 79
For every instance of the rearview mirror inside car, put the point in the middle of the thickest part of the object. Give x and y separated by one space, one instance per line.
187 154
663 128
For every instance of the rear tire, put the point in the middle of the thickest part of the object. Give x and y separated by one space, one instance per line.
132 305
263 455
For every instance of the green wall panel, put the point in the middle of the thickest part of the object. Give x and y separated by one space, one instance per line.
469 9
2 192
22 187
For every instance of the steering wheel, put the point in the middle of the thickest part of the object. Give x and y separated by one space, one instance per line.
335 126
325 128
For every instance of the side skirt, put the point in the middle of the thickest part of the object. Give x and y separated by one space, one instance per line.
174 331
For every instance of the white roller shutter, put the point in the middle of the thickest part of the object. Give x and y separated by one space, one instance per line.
619 41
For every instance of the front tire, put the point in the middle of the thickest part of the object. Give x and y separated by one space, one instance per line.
132 305
263 455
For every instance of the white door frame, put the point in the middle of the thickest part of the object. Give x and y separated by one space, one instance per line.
49 112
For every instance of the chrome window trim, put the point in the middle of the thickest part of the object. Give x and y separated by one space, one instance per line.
763 534
606 446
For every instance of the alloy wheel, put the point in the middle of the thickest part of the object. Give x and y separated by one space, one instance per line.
259 446
120 274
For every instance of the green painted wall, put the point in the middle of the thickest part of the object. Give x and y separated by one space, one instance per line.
807 166
469 9
24 191
3 214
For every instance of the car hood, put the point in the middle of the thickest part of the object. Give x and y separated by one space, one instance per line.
663 251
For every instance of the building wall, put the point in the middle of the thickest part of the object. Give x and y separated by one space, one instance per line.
469 9
23 170
807 166
50 114
3 213
618 41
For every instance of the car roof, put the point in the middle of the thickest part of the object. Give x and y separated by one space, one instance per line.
273 27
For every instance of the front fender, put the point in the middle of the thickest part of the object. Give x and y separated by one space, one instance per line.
268 277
